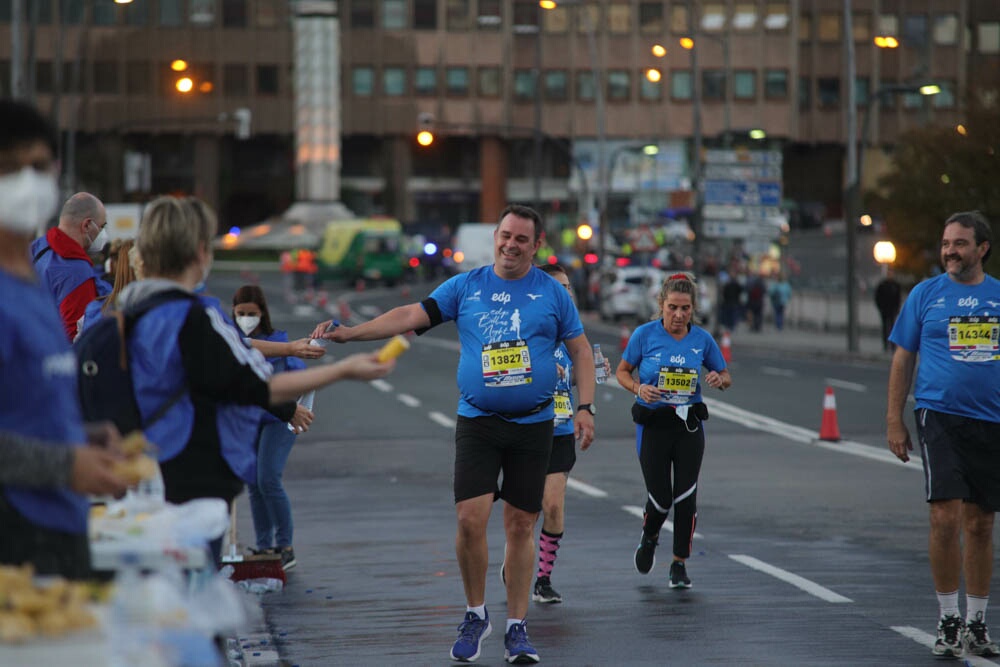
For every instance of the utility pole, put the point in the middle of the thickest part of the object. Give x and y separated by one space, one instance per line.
536 147
696 222
851 191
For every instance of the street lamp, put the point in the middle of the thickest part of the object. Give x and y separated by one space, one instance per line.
885 254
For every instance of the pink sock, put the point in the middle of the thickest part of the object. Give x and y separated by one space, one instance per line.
548 545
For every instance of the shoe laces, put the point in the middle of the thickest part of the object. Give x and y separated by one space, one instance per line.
471 627
979 632
951 627
518 634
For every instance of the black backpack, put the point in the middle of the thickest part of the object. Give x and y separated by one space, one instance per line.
104 377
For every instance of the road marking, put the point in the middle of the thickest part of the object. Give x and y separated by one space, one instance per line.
369 311
795 580
304 310
844 384
381 385
780 372
928 640
668 524
442 419
585 488
406 399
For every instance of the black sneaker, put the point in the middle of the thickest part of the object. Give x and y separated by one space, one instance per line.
977 638
544 592
679 575
288 558
645 554
949 637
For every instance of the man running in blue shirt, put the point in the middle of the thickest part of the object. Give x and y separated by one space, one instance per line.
952 321
511 319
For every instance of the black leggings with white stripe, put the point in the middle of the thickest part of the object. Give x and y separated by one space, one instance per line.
670 456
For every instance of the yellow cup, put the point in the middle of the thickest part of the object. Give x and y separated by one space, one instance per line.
395 347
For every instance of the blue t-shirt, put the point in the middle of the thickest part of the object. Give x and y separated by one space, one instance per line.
955 330
508 331
672 365
563 404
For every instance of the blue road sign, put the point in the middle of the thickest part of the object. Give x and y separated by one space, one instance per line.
743 193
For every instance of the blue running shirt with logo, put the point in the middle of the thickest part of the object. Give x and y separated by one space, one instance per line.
671 365
509 331
956 330
563 397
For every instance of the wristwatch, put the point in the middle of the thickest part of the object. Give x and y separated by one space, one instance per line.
589 407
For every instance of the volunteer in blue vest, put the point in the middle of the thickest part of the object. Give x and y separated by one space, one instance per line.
668 412
206 439
45 466
62 260
511 318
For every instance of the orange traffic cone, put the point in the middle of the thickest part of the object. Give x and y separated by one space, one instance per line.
828 429
623 338
727 347
345 311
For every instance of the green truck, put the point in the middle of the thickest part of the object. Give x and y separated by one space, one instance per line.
369 249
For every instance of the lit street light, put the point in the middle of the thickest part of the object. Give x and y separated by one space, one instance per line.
885 254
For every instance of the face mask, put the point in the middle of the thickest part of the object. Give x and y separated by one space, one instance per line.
101 240
248 323
28 199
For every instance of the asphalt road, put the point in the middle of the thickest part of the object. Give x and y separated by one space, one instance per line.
806 553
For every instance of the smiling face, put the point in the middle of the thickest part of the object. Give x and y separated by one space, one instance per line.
677 311
960 256
514 246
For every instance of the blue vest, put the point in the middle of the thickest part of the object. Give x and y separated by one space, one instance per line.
279 364
60 275
158 372
38 396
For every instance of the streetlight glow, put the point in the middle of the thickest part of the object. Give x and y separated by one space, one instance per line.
585 232
687 43
425 138
659 50
758 134
886 42
653 75
651 149
885 252
930 89
179 65
961 129
547 4
184 84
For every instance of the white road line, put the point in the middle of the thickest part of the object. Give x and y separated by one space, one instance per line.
381 385
406 399
780 372
844 384
441 419
795 580
668 524
928 640
585 488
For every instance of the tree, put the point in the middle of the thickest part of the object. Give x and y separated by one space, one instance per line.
937 171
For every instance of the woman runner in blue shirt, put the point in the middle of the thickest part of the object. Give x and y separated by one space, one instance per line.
668 412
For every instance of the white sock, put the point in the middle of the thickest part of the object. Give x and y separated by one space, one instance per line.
975 608
479 611
513 621
948 602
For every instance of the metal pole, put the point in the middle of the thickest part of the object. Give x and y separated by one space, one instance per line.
602 170
852 190
696 223
728 101
16 58
536 157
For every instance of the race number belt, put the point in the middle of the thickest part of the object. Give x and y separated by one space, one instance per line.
506 364
974 333
677 384
563 406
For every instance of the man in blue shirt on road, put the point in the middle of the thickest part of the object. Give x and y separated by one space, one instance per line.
511 318
952 321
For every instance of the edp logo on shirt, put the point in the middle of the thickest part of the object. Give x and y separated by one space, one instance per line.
968 302
62 364
501 297
677 359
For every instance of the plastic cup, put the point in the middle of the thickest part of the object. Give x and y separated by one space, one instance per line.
395 347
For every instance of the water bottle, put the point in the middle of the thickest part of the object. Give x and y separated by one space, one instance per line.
600 376
322 342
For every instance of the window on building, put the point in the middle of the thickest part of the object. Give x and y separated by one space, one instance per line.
887 24
619 85
425 81
620 19
887 101
828 92
457 15
861 26
138 77
171 13
912 100
105 77
105 12
362 81
267 13
556 21
70 12
425 14
588 18
713 84
490 15
488 82
915 31
805 27
394 14
586 91
524 85
456 81
235 80
745 85
744 16
805 93
526 16
71 85
946 29
44 77
946 98
234 13
557 85
651 18
862 90
829 27
681 85
713 17
201 13
393 81
988 37
362 13
267 80
775 84
137 13
776 16
680 22
649 91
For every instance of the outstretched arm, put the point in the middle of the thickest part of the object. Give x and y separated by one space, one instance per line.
396 321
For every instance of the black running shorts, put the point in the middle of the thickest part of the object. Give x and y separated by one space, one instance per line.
563 454
961 458
487 446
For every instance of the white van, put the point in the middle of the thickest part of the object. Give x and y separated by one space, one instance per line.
474 240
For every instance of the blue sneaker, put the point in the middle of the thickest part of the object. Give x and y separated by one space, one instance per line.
471 634
517 648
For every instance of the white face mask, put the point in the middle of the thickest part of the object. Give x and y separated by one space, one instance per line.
28 198
248 323
101 240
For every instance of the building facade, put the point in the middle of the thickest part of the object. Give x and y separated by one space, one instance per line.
514 94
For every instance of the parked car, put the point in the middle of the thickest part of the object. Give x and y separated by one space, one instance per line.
632 291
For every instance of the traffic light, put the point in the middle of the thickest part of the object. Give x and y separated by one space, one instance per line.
425 135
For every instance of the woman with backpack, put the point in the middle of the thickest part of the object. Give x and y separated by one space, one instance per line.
269 505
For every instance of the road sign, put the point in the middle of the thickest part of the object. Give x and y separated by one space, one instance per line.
745 193
727 212
742 156
739 172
